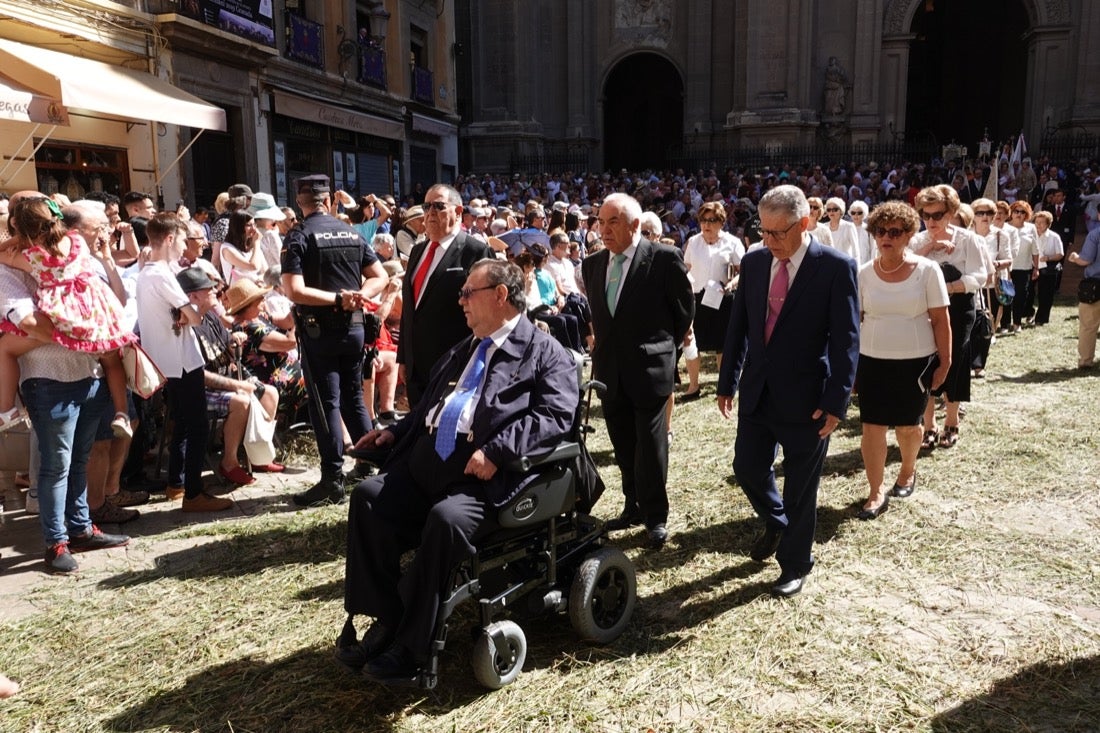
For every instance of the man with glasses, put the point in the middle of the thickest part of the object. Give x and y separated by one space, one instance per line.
328 272
792 348
508 391
431 320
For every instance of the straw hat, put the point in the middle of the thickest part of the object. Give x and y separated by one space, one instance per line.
242 294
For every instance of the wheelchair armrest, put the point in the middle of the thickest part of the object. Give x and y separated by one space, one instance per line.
563 452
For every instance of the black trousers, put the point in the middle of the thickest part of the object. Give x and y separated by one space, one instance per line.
639 434
333 366
186 397
1046 287
424 503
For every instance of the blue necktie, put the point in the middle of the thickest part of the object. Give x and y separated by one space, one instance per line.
448 421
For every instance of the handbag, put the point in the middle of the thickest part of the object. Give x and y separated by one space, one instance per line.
143 377
1088 290
258 434
983 322
1006 291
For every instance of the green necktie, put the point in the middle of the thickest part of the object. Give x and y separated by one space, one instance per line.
614 281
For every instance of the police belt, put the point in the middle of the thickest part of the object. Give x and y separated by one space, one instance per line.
330 317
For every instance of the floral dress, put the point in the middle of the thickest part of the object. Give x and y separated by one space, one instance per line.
86 314
282 369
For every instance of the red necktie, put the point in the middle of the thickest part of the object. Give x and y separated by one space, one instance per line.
776 295
422 273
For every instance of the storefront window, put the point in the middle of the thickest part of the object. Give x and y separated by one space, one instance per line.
75 170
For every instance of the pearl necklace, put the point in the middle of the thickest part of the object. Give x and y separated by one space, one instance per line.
884 271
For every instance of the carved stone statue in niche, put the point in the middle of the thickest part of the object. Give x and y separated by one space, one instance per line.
836 89
643 13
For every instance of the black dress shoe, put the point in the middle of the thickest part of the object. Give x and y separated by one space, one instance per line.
902 492
356 655
656 536
324 492
787 585
626 520
867 514
396 666
691 396
766 544
377 456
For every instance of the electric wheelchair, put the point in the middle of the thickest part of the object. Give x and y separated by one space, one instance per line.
549 556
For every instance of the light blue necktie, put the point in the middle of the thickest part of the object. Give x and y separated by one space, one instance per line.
614 281
448 420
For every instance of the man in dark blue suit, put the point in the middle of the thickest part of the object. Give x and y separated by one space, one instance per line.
509 391
792 347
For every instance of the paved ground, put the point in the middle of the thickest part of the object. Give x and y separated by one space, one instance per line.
22 548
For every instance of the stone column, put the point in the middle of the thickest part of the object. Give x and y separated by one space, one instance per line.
894 76
866 120
1086 97
1048 97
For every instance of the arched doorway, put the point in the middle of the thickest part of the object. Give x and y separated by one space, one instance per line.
643 112
967 70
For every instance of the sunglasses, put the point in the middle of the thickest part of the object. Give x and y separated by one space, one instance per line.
711 220
984 212
466 293
436 205
832 209
1019 212
933 215
892 232
814 206
778 233
647 233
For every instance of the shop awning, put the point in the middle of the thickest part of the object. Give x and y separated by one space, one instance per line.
111 90
23 105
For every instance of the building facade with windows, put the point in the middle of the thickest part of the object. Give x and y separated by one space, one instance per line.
361 90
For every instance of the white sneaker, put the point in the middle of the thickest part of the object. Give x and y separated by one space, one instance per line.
120 426
32 501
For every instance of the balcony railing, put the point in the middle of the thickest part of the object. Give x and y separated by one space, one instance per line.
372 65
304 41
423 86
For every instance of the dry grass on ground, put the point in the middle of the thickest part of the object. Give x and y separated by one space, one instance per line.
972 606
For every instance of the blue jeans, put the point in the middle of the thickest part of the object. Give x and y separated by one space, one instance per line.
65 416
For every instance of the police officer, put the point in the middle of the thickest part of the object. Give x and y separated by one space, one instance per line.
328 271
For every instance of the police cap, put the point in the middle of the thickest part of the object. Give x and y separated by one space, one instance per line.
317 183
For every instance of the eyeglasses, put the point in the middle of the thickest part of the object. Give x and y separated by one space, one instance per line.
778 233
466 293
647 233
933 215
195 239
831 209
892 232
436 205
711 220
985 212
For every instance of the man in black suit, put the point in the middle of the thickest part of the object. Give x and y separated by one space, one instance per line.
642 306
791 348
1065 226
431 319
516 396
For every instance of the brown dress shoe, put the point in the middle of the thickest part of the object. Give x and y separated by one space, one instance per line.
206 503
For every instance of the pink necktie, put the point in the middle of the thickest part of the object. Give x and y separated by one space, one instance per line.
776 295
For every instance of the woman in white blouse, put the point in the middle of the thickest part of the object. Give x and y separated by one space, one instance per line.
1051 252
1025 265
864 241
713 259
958 253
998 249
843 233
904 349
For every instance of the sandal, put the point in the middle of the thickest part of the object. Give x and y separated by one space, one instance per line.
950 436
929 440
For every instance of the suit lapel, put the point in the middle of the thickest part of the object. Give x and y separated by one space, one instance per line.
597 286
639 266
449 260
806 271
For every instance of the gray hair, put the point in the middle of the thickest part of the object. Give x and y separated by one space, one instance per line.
499 226
273 276
837 202
630 206
452 196
502 272
857 207
382 238
785 199
650 218
78 211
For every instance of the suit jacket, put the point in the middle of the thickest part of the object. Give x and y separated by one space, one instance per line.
1065 226
428 330
527 406
810 361
635 349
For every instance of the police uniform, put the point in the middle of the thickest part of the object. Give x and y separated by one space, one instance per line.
330 256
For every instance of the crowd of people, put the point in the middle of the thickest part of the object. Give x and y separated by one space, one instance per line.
806 282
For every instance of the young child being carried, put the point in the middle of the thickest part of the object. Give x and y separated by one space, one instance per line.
86 316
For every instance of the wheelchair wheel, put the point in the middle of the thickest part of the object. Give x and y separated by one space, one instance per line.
602 597
497 665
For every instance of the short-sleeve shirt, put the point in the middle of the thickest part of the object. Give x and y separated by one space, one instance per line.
174 351
895 315
327 253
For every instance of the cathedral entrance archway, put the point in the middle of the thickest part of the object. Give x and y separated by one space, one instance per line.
968 70
643 112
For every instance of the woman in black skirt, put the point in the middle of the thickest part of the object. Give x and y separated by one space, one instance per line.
904 349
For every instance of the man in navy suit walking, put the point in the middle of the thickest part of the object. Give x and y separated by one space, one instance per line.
792 348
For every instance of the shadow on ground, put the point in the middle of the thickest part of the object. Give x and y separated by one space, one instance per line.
1048 696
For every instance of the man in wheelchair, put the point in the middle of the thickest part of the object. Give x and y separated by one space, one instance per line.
509 391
